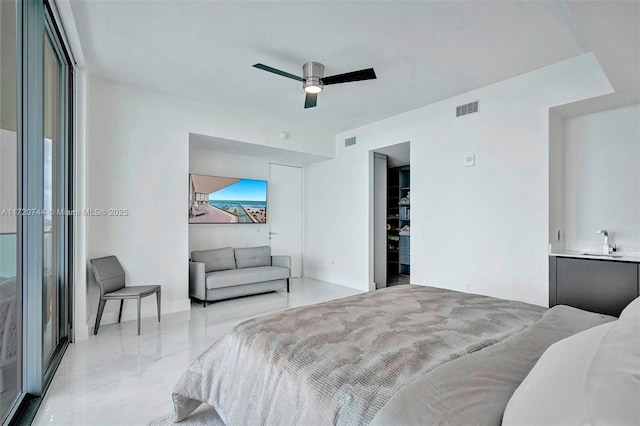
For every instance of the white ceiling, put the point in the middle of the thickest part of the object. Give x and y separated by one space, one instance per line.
422 51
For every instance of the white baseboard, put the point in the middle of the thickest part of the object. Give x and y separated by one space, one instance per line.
81 331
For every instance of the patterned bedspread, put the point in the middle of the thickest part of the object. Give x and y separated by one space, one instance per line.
339 362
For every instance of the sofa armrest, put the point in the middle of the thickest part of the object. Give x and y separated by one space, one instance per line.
284 261
197 287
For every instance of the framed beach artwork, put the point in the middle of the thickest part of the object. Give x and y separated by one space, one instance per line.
216 199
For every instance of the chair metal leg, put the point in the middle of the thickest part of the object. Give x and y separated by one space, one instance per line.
158 301
139 300
121 305
101 304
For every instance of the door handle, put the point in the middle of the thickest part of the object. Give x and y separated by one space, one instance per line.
273 233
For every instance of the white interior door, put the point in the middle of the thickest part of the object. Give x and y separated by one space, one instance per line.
380 220
285 213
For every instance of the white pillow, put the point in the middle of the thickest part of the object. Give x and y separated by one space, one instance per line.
613 380
632 309
590 378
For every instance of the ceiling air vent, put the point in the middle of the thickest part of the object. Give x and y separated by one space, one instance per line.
466 109
350 141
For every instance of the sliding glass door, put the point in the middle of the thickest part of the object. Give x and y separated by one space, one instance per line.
55 200
35 196
53 161
10 308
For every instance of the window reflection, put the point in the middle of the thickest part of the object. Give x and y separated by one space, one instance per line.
50 274
9 309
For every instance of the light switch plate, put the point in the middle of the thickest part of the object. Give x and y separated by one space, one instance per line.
469 160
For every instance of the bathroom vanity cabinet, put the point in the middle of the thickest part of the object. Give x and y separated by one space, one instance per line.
603 286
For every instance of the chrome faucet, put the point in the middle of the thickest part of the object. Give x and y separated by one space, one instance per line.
606 248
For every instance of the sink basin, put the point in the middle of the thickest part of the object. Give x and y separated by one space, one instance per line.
602 255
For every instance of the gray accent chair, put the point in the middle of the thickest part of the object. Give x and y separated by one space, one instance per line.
111 279
226 273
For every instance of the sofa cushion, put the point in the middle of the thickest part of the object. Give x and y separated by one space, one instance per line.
215 260
253 256
258 274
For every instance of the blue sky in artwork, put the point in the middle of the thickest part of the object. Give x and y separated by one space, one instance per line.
244 190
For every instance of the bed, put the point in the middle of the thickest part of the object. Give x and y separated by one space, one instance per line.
404 355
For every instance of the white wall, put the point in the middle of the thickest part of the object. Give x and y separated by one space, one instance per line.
486 225
80 276
215 163
602 179
556 180
138 158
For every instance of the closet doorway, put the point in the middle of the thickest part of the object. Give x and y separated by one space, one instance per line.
391 196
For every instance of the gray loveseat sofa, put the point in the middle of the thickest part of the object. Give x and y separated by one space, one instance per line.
227 272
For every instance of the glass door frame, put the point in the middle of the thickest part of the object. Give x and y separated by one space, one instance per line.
64 242
19 398
37 20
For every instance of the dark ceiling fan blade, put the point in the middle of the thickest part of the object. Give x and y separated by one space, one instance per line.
310 100
277 71
365 74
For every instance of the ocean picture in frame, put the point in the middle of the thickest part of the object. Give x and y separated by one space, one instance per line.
217 199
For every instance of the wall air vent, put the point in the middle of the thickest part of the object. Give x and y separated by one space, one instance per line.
466 109
350 141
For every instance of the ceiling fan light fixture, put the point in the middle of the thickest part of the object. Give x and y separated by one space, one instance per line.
313 79
312 74
311 87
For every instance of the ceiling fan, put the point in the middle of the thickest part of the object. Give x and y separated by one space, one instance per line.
313 79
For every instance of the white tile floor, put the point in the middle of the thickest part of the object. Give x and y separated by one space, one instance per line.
120 378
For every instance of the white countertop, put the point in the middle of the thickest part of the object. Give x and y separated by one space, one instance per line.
581 255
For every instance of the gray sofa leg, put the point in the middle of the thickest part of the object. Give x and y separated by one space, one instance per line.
288 285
